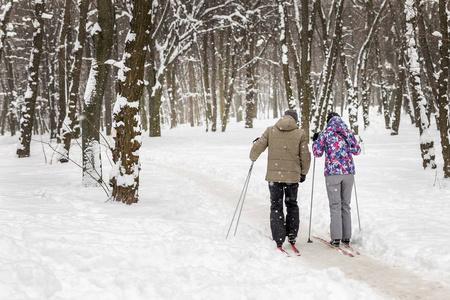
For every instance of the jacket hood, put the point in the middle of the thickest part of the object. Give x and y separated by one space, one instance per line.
286 123
336 124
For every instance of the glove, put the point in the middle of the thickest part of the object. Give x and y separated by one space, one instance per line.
302 178
255 140
315 136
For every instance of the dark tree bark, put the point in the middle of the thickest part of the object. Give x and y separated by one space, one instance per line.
154 90
206 82
425 50
63 65
10 94
284 32
192 92
230 76
443 100
68 124
421 105
93 99
398 100
250 84
306 32
171 91
213 83
125 172
5 13
360 70
329 70
27 120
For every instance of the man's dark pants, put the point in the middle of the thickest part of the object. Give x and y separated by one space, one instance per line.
280 226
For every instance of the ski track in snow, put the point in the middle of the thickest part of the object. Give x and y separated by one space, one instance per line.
59 240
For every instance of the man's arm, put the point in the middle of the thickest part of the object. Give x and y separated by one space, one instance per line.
305 155
259 146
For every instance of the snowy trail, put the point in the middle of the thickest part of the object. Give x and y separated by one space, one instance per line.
391 281
59 240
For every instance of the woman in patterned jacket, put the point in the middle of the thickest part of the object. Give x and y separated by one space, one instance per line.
339 145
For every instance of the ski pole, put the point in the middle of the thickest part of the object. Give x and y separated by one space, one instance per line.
241 198
312 193
357 207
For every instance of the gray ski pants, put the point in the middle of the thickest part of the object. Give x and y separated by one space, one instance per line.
339 189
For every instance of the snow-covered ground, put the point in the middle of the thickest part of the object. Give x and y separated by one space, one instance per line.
59 240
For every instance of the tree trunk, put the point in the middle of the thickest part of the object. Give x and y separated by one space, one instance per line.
155 91
360 71
443 100
4 19
171 91
384 106
192 92
284 27
27 120
51 93
70 121
213 84
93 98
329 71
250 84
425 50
10 94
306 31
63 64
206 83
418 98
230 76
125 172
110 92
398 99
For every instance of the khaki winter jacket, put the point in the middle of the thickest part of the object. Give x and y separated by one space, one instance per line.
289 155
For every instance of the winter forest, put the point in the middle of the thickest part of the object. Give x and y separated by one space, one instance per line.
88 69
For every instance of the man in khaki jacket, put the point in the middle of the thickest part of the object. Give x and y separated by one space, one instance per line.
288 163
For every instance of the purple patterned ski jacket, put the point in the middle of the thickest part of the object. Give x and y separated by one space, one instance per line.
338 143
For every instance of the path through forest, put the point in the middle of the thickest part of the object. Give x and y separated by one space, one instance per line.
391 281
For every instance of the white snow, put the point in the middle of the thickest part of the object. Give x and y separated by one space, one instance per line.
59 240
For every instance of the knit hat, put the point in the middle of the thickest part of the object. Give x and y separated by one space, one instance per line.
292 113
330 115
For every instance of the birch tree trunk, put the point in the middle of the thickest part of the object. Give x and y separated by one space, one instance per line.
27 120
93 98
443 100
70 120
125 173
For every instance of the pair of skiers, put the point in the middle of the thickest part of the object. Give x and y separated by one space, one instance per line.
288 164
